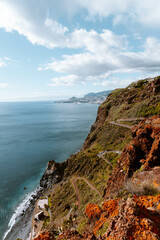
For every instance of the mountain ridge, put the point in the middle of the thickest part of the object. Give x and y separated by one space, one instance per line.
93 98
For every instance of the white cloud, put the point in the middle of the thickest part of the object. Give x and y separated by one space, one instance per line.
63 81
39 20
95 64
3 85
145 12
98 59
114 82
119 82
31 22
102 54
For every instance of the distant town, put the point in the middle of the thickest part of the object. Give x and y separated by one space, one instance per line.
94 98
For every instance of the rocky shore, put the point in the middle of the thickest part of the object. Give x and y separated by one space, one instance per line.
21 221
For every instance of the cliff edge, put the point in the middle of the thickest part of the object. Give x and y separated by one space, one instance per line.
111 188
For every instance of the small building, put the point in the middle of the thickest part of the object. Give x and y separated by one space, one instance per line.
39 216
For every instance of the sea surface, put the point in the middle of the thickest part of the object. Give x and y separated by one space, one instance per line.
31 134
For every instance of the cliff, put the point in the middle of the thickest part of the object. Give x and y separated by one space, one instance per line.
111 188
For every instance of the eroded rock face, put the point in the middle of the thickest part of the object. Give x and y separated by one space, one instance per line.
134 218
53 174
142 153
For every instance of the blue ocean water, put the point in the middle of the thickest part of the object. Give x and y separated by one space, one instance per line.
31 134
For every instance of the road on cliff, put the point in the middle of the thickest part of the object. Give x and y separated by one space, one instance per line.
126 120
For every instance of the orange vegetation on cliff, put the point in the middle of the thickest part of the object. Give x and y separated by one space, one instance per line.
143 151
93 211
134 218
45 236
111 207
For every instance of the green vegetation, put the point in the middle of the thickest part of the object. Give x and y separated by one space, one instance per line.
62 200
82 223
49 201
46 222
88 164
112 137
137 100
146 111
103 229
112 158
138 84
87 195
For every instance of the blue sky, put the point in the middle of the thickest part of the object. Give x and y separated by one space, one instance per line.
57 49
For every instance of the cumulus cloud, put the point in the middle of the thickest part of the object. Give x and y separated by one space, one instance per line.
145 12
102 54
98 62
63 81
39 20
32 22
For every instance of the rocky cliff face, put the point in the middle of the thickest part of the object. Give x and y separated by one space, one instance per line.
141 154
53 174
105 194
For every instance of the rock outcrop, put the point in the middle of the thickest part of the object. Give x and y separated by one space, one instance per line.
53 174
134 218
143 153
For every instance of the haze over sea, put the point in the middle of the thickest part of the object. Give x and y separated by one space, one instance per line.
31 134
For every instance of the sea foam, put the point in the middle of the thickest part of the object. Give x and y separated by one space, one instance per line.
20 210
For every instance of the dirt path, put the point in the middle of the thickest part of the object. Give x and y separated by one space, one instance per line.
121 125
117 123
76 191
90 184
73 180
101 155
130 119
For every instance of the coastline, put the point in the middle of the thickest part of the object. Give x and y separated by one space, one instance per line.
21 221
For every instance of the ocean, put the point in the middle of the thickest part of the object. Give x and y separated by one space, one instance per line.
31 134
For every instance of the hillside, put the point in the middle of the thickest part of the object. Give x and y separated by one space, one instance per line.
94 98
111 188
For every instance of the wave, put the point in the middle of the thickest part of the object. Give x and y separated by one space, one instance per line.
21 209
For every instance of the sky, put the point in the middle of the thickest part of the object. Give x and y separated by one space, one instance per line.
53 49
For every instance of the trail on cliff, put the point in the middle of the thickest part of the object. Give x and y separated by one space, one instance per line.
130 119
73 180
121 124
117 123
93 187
101 155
